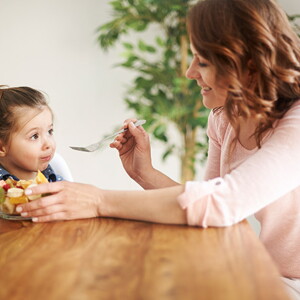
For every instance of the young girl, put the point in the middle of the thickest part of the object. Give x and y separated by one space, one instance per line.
247 63
26 134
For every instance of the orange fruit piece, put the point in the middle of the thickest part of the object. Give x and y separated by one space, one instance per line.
40 178
16 196
18 200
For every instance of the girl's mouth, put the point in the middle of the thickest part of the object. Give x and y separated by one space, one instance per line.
46 158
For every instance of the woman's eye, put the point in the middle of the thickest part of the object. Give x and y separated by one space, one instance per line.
202 65
51 131
34 137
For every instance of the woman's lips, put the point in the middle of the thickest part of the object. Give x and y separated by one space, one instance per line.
205 90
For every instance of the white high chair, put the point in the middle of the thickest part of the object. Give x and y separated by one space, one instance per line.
60 167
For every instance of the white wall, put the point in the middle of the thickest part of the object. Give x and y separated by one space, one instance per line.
52 46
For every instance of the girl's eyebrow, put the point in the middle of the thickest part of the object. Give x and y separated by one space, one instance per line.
37 128
32 129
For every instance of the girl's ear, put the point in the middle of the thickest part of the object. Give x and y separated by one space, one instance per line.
3 150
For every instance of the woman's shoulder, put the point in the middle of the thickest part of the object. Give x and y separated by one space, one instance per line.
217 123
218 119
294 111
296 105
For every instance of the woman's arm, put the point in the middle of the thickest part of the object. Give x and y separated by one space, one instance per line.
155 180
265 176
75 201
135 153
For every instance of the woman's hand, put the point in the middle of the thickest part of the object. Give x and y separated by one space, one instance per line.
67 200
134 150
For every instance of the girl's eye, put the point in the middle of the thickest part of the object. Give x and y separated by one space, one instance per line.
34 137
51 131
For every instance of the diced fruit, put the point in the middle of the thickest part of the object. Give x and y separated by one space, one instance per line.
16 196
11 182
40 178
12 192
2 195
15 192
18 200
24 184
33 197
6 187
7 207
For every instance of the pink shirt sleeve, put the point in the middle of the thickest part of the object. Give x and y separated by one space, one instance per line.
265 176
214 150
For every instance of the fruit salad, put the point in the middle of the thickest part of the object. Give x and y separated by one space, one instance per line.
12 192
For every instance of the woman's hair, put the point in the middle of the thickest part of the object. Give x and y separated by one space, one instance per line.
12 100
253 35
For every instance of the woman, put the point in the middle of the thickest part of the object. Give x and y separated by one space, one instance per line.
246 59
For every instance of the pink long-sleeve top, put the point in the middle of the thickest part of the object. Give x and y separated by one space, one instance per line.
264 182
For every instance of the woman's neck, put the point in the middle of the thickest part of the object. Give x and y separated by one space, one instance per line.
246 137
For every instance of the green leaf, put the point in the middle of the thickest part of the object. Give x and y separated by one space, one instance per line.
158 92
160 132
128 46
142 46
160 41
168 152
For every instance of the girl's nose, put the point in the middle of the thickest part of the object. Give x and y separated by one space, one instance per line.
47 142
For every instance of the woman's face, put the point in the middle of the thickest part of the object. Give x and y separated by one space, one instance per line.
214 93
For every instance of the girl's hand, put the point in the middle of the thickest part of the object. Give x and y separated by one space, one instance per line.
134 150
67 200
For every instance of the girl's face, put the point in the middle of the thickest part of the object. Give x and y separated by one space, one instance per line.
32 146
214 93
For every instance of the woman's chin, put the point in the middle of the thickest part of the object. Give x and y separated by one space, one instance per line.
211 103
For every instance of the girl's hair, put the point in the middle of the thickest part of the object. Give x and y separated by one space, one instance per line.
12 99
253 35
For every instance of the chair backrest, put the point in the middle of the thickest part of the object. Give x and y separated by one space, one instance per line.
60 167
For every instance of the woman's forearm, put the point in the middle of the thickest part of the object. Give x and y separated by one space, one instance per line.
154 179
158 205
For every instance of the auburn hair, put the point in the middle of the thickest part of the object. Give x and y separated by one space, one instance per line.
253 35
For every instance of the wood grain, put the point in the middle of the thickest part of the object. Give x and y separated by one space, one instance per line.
120 259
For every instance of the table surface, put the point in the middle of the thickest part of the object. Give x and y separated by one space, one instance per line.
104 258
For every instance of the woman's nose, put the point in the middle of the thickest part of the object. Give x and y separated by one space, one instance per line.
192 72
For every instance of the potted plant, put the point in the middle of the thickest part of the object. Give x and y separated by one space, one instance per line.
160 92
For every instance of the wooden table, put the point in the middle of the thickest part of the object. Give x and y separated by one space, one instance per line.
120 259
